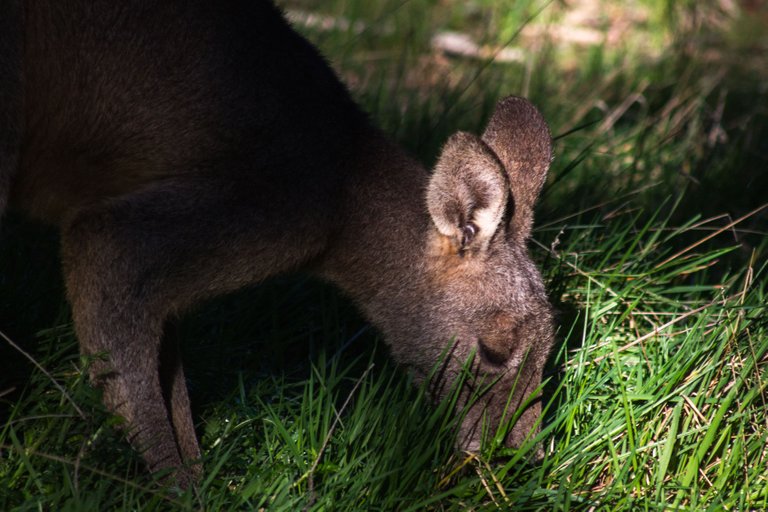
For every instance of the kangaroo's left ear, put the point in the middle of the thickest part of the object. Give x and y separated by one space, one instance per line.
518 134
467 193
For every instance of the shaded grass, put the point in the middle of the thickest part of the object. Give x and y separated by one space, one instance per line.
656 396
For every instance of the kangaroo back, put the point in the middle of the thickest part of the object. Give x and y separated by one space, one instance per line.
11 93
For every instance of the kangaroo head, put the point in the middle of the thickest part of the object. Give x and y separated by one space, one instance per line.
476 290
490 295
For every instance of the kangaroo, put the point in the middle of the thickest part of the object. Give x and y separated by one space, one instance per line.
185 149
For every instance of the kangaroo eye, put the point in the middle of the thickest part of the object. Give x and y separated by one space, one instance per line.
468 234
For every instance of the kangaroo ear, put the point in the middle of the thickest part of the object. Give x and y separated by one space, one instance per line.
467 193
519 136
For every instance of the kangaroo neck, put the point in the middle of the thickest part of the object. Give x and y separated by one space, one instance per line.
380 244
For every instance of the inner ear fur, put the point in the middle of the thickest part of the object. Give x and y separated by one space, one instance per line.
468 192
519 136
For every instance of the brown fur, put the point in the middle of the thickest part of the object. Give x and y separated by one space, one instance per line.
186 149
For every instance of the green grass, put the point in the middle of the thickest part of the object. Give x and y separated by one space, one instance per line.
650 236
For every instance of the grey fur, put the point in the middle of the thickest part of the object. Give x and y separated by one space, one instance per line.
186 149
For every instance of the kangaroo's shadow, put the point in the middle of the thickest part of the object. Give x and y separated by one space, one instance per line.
276 328
32 299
